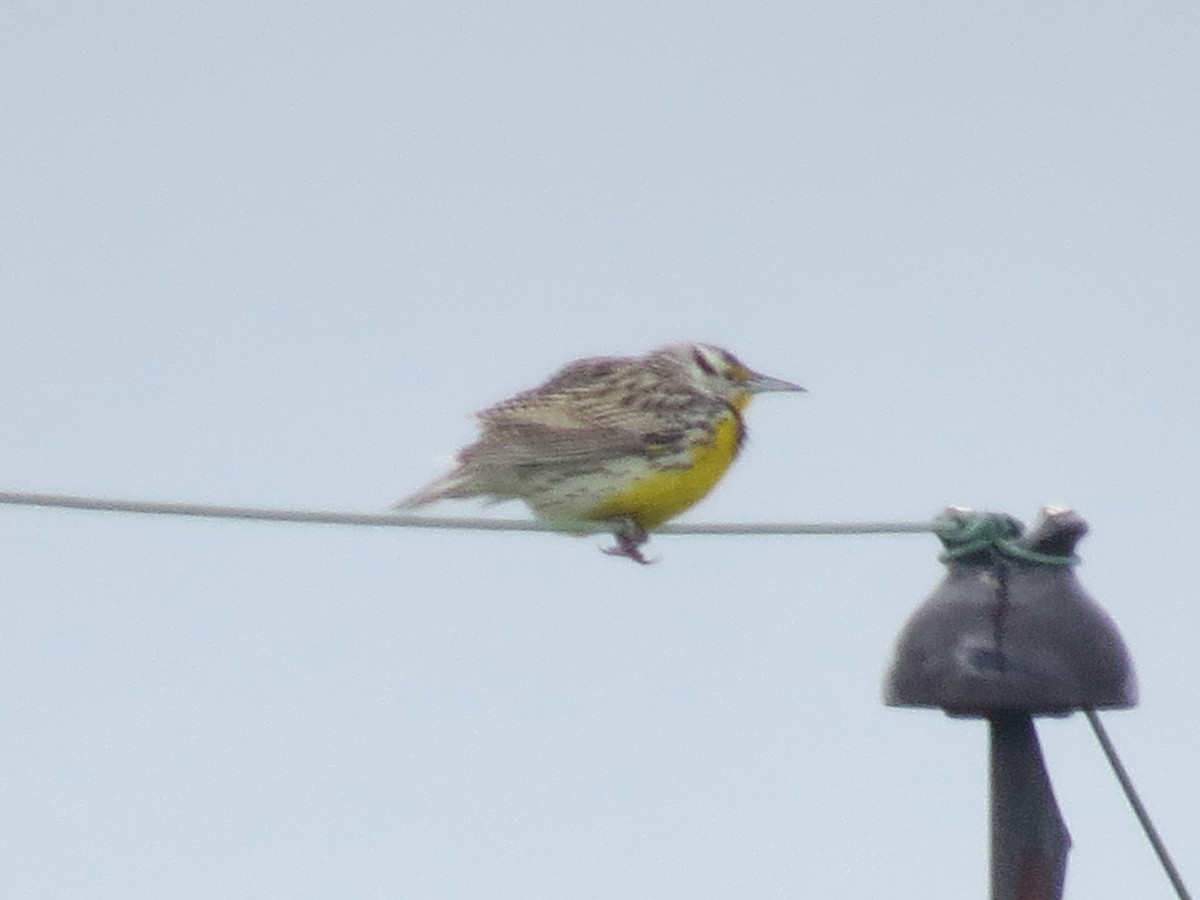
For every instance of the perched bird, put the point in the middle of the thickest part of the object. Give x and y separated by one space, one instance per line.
626 441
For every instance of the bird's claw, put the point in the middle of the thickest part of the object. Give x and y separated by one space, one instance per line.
630 537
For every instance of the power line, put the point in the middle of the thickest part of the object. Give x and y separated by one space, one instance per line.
1135 802
397 520
394 520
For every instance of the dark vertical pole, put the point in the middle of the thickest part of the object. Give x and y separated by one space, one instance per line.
1029 840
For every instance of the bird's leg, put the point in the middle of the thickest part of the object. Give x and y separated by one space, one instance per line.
630 537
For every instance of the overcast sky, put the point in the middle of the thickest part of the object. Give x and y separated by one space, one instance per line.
277 254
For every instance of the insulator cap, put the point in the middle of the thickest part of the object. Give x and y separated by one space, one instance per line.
1010 628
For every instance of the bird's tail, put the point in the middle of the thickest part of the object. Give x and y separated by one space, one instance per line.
454 485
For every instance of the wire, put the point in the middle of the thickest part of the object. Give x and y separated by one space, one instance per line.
1139 810
395 520
327 517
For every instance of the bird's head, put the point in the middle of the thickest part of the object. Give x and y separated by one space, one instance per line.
719 372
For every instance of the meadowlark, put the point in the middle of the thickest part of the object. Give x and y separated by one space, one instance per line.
629 442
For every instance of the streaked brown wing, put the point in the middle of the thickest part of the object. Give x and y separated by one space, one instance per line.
623 393
590 411
516 443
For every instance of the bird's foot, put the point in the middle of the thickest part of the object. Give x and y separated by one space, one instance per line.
630 537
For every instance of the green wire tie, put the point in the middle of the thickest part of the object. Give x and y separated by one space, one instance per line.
967 533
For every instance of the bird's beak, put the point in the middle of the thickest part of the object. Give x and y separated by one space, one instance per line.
761 384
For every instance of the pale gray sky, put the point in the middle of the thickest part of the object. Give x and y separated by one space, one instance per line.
277 253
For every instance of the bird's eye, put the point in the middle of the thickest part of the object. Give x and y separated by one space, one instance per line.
702 361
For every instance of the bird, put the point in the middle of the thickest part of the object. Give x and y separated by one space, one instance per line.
627 442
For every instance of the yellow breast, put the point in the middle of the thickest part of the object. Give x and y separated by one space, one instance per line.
660 494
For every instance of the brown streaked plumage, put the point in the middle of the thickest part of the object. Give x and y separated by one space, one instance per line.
632 441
